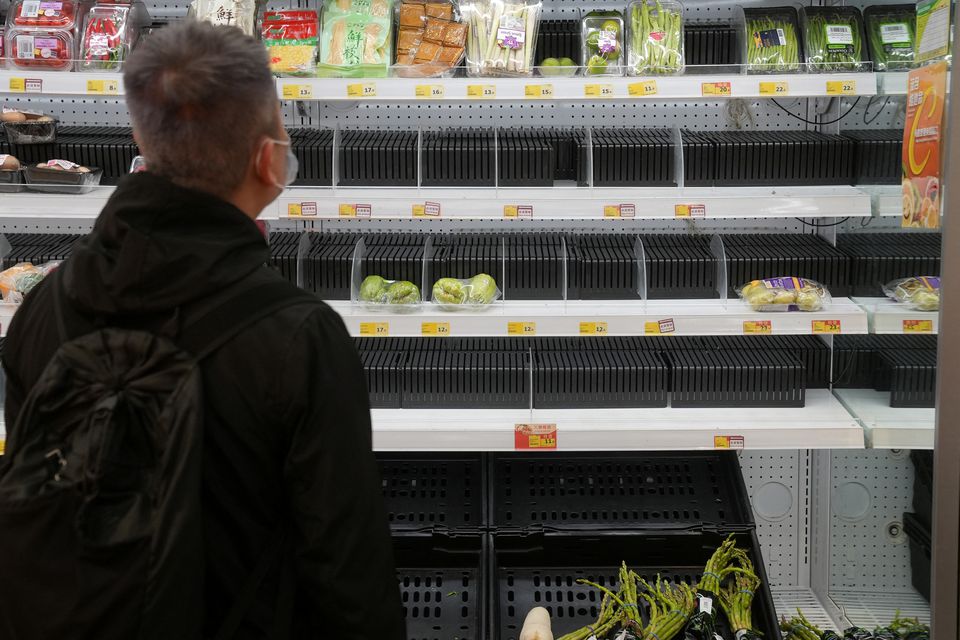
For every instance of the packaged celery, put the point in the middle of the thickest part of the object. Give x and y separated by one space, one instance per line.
771 37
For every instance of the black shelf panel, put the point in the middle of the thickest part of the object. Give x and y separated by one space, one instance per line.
434 492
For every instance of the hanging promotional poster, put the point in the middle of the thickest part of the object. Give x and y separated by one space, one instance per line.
922 137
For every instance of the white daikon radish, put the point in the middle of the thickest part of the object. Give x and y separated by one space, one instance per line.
536 626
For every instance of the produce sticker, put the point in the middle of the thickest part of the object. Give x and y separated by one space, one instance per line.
933 29
922 136
535 436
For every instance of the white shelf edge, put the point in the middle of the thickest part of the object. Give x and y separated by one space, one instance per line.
887 427
890 317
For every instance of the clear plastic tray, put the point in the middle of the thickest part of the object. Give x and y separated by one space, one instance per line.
57 181
602 43
655 36
31 132
40 49
43 14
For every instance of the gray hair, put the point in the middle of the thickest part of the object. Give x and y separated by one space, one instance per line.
200 97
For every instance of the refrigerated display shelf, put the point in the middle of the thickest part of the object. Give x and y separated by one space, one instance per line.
889 316
887 427
688 86
871 609
786 600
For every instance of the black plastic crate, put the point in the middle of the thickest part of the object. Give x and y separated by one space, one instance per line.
443 588
383 372
284 247
581 379
736 379
458 158
443 492
920 554
525 158
534 266
877 155
314 151
377 158
633 157
38 248
328 264
541 571
857 363
617 491
602 267
758 256
878 258
911 377
680 266
465 255
813 352
466 380
709 44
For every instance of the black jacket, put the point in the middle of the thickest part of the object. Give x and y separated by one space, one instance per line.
287 426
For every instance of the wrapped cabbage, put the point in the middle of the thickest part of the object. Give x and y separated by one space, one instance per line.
20 279
479 291
921 293
785 294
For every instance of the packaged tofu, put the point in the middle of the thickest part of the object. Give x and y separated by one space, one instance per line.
355 39
431 39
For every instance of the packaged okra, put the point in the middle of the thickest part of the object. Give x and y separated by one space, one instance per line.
834 39
771 39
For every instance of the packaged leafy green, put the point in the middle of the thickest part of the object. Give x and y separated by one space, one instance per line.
771 37
833 38
892 34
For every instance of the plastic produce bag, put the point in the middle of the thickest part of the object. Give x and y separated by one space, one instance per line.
921 293
503 37
369 8
431 40
892 33
20 279
771 38
833 38
602 48
355 44
292 42
656 37
234 13
785 294
375 290
454 294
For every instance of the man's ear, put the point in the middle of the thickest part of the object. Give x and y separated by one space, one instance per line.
263 161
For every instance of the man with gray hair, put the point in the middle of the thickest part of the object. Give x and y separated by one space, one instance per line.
287 473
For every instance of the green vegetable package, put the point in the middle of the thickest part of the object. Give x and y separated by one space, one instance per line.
833 38
478 291
656 37
892 33
376 290
772 40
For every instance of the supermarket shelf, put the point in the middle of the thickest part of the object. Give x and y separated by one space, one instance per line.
822 424
615 318
886 200
786 600
567 203
894 83
889 316
887 427
871 609
689 86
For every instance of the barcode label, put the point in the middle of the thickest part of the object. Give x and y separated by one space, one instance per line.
25 47
782 37
894 33
30 9
839 34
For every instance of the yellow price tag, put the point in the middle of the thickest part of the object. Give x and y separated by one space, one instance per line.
757 327
348 210
774 89
374 329
297 92
651 328
598 90
521 328
728 442
435 328
18 85
715 89
3 444
509 211
481 91
294 209
538 91
611 211
429 91
841 87
645 88
593 328
362 90
826 326
918 326
418 210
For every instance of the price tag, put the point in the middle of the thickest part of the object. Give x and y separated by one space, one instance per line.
826 326
297 92
521 328
103 87
645 88
18 85
918 326
538 91
435 328
728 442
33 85
298 209
362 90
619 210
690 210
348 210
482 91
294 210
517 211
2 446
374 329
715 89
535 436
774 89
660 327
593 328
841 87
757 327
429 91
426 210
598 90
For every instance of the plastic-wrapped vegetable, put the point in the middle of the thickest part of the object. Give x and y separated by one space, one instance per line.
771 39
479 291
376 290
656 37
921 293
357 43
291 41
502 38
602 48
892 34
109 33
833 38
20 279
785 294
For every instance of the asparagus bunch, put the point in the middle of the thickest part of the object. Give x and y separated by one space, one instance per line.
657 38
670 608
765 57
799 628
607 620
736 597
702 625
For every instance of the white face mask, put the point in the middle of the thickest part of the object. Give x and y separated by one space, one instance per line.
293 165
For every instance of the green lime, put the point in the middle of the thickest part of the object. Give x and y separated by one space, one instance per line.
596 65
567 62
611 25
593 40
550 62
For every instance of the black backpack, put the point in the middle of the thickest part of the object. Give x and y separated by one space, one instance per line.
100 510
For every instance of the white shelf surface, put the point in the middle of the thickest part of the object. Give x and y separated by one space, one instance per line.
886 199
622 318
889 316
786 601
888 427
567 203
822 424
894 83
871 609
688 86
